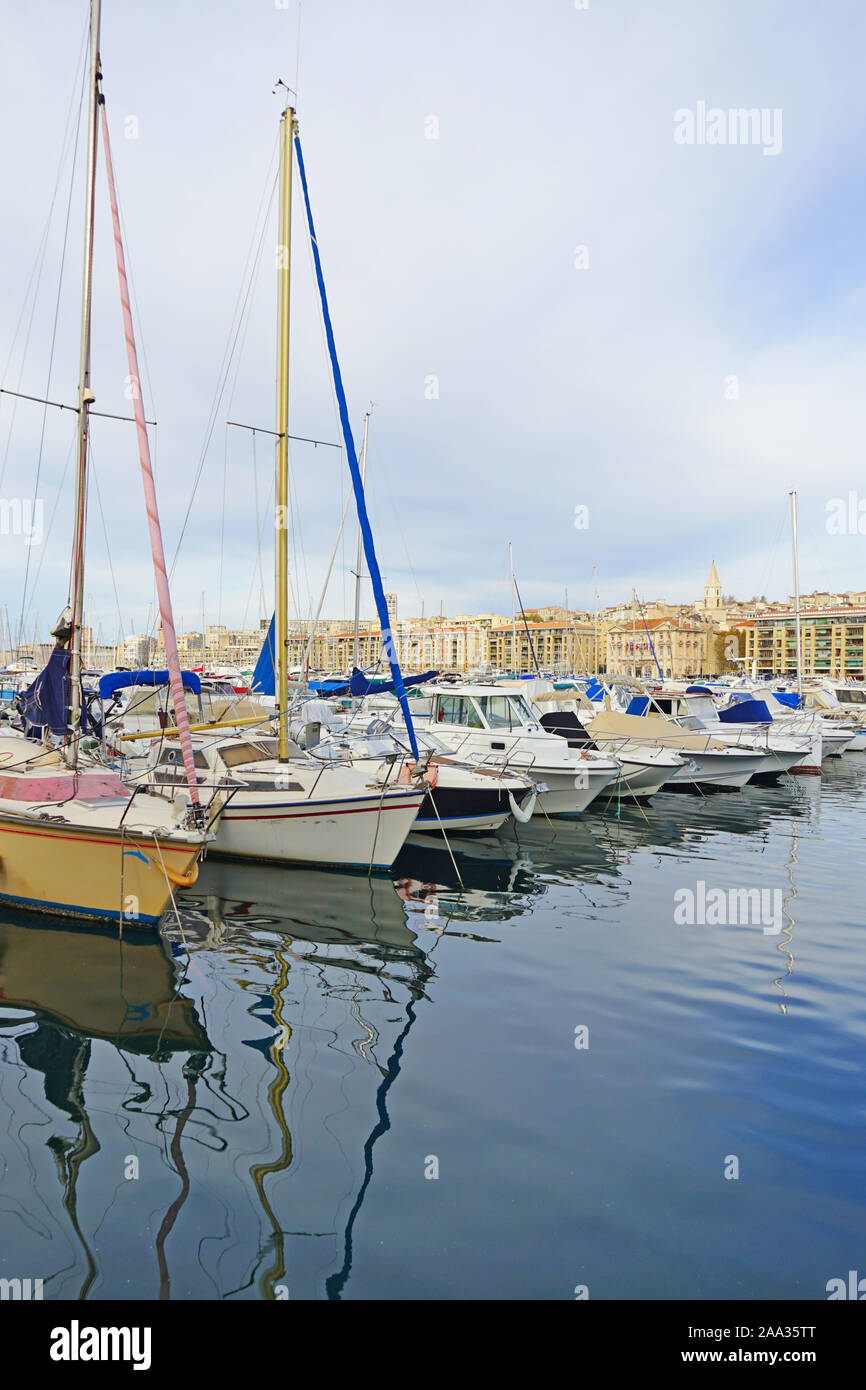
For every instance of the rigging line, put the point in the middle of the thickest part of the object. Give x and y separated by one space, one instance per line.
38 259
41 451
95 477
393 502
244 325
299 542
223 525
57 496
260 525
767 577
315 621
240 309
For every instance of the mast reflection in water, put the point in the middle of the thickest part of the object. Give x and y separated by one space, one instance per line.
249 1107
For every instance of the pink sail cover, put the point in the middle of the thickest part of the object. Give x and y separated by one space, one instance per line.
168 632
85 786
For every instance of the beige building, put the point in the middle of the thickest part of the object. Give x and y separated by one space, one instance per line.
831 642
558 646
682 648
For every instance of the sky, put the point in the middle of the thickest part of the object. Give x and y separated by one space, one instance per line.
578 333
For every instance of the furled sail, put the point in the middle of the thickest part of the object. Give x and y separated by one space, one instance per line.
357 484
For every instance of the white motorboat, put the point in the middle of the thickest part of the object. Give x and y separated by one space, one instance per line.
459 797
497 730
696 710
709 762
644 768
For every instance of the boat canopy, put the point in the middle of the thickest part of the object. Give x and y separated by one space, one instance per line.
638 704
789 698
746 712
362 685
329 687
119 680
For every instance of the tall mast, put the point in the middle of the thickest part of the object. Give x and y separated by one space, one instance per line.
797 594
513 621
595 588
85 399
567 635
356 641
281 515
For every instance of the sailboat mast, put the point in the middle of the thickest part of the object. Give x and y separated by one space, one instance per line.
567 636
797 594
595 589
513 620
85 399
281 514
356 639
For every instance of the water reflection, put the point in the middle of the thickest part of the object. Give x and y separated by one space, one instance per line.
255 1059
62 988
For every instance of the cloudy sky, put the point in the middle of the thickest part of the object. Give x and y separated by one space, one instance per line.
667 334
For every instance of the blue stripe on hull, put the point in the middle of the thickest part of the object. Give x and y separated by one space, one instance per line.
71 910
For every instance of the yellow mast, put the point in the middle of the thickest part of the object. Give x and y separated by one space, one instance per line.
281 513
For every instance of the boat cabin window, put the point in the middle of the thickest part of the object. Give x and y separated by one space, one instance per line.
663 705
173 757
851 697
458 709
504 711
236 754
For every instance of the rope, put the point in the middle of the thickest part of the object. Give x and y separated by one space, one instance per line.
248 280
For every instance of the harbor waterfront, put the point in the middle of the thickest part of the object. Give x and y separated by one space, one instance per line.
432 687
513 1075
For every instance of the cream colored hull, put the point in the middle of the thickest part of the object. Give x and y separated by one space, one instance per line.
82 871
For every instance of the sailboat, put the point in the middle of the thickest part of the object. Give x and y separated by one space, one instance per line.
286 807
74 839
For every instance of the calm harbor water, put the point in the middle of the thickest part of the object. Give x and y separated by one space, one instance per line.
256 1105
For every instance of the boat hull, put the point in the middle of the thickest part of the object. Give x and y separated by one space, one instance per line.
465 809
78 871
361 833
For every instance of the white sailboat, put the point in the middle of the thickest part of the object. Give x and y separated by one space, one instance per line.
286 807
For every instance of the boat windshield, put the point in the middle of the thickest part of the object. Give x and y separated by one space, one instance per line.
458 709
505 711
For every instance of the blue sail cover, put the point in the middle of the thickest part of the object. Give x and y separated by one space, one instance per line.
329 687
594 690
360 685
119 680
746 712
263 682
45 702
790 698
357 484
638 704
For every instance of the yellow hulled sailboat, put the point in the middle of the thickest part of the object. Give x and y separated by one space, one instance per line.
74 839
